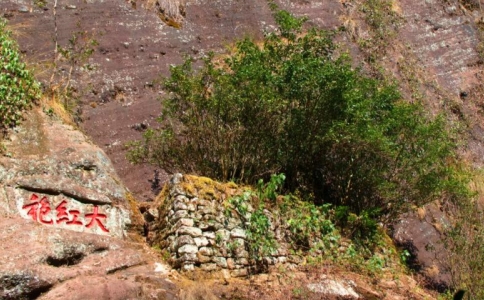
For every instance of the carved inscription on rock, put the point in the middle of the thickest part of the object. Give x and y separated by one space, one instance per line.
40 210
69 213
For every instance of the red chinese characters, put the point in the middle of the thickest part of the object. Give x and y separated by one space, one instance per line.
68 216
95 219
39 211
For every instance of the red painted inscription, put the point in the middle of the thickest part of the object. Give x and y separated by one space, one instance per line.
39 210
95 219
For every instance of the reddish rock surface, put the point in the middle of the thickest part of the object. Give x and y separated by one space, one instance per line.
420 233
53 174
119 99
40 262
135 48
119 95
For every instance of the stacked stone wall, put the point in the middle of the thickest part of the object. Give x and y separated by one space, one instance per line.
196 230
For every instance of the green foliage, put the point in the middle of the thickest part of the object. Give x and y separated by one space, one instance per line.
362 228
288 24
405 255
18 89
309 225
260 241
40 3
309 230
296 106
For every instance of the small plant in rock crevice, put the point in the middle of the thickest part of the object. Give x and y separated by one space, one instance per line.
383 22
73 56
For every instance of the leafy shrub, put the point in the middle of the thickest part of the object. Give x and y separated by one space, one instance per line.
250 208
18 89
309 225
293 104
309 230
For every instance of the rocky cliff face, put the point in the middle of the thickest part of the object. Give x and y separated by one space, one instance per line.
44 262
64 219
436 54
53 175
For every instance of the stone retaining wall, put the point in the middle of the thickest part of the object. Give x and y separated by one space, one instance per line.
195 229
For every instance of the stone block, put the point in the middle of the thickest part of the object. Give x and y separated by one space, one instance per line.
190 249
178 205
239 242
239 273
192 231
270 260
203 226
191 207
208 211
203 259
209 267
222 235
220 251
197 215
282 259
178 215
230 263
203 202
242 261
187 257
182 241
220 261
184 222
201 241
242 254
206 251
209 234
182 199
188 267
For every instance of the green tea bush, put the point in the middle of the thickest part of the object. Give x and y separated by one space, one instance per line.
306 227
18 89
309 231
293 104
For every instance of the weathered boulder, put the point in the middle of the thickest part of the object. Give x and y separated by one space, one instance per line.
43 262
52 174
52 179
421 234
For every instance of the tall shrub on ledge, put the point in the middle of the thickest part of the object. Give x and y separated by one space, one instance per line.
17 86
294 104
